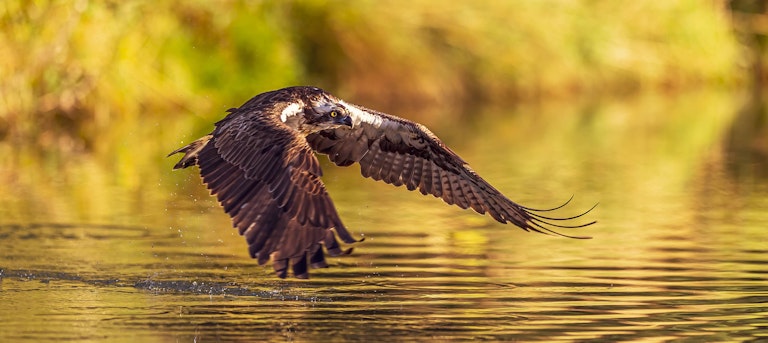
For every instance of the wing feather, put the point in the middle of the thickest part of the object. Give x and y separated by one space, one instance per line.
462 200
400 152
426 179
437 185
475 202
406 175
394 171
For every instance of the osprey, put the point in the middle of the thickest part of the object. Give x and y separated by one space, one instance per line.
260 163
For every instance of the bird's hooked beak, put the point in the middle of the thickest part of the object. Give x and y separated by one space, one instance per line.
343 120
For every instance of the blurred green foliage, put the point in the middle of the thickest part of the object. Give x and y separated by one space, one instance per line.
78 73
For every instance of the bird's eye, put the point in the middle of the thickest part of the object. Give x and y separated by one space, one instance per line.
334 114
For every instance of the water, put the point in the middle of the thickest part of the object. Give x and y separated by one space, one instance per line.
103 249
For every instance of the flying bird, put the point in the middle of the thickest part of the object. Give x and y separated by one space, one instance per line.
260 163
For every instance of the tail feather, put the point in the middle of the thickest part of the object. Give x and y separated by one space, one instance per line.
190 152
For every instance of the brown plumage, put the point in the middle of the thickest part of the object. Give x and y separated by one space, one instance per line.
260 163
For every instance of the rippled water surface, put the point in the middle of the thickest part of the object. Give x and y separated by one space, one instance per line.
131 251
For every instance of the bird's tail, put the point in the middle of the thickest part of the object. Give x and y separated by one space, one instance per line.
190 152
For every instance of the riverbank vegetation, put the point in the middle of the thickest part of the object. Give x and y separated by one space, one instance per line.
77 73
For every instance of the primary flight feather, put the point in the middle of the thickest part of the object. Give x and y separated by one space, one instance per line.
260 163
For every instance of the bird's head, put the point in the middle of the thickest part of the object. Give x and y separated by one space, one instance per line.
324 113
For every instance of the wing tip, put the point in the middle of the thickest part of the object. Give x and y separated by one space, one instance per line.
191 152
529 220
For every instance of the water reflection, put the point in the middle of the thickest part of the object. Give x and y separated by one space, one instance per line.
679 250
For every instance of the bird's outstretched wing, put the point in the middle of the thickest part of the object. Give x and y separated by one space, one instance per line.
267 179
400 152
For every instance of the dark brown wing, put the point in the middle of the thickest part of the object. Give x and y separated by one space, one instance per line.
401 152
267 179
